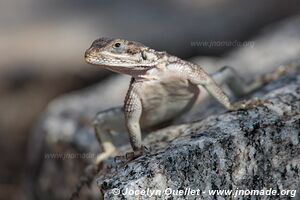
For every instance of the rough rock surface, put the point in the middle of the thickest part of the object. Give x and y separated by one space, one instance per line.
251 149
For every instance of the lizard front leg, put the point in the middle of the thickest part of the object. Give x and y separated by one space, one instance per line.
199 77
133 112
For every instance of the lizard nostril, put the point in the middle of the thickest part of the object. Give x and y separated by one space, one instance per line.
88 52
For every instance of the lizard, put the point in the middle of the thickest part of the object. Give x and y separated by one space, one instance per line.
162 88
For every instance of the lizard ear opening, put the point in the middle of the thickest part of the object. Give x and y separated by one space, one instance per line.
144 56
148 56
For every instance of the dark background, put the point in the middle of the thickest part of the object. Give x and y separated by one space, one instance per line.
42 45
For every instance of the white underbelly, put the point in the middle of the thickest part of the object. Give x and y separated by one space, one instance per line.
165 100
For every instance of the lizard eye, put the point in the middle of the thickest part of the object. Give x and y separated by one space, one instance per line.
118 44
118 47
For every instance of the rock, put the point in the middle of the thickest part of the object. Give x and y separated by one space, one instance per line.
255 149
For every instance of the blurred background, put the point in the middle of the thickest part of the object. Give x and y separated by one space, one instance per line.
42 45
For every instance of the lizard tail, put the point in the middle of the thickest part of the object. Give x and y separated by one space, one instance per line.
85 179
264 79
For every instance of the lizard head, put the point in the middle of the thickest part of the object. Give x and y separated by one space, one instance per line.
121 55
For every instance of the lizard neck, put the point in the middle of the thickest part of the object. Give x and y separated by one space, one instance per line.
162 60
154 72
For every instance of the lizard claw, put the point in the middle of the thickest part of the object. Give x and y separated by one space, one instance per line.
138 153
145 150
252 103
132 155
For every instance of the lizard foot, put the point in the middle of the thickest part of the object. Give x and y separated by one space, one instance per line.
248 104
131 155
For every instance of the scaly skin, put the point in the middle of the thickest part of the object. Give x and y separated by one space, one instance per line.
162 86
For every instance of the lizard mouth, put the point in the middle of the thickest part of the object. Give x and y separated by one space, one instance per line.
109 62
92 56
117 63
